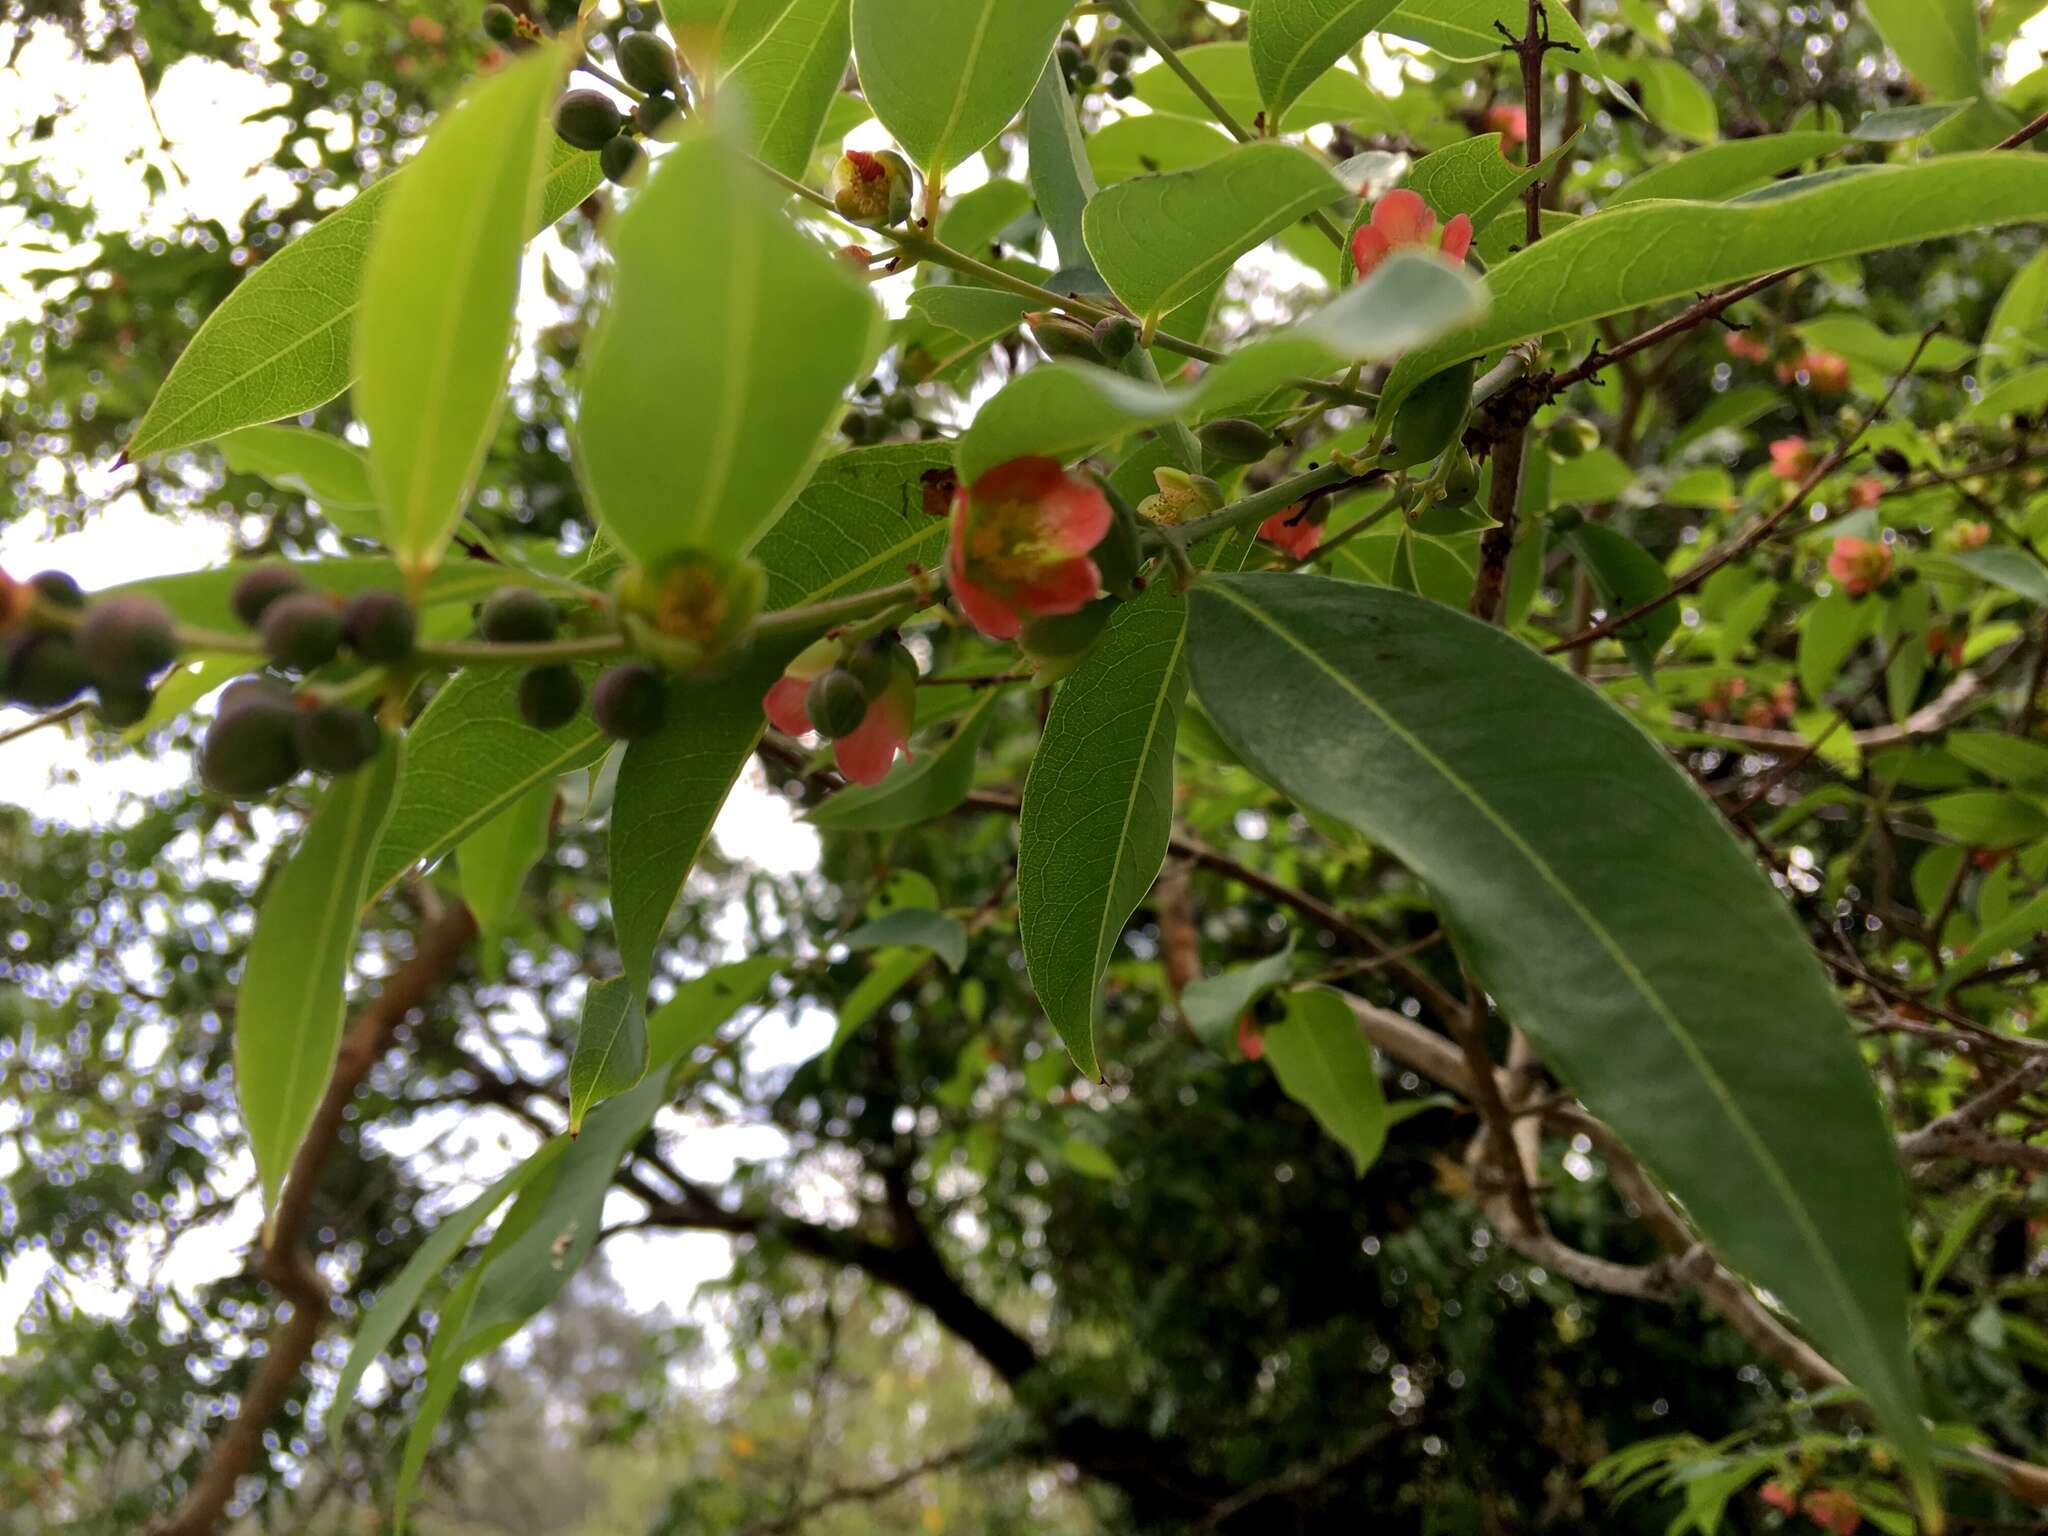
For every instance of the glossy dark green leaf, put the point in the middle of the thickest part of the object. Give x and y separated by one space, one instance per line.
1574 861
1324 1064
288 1009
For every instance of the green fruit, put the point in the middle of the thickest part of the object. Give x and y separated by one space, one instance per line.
500 25
250 748
648 63
837 704
549 697
57 589
126 641
622 160
588 119
1461 478
302 632
260 588
1571 436
874 665
335 738
1430 419
380 627
1116 338
44 670
518 616
1235 440
1058 337
654 114
122 707
629 702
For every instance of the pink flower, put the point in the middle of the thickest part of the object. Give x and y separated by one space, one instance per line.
1860 565
1751 349
1826 372
1833 1510
1021 537
1779 1497
1287 529
1403 218
866 755
1511 123
1866 492
1792 459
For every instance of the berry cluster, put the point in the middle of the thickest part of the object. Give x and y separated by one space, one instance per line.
590 119
1109 67
629 700
115 648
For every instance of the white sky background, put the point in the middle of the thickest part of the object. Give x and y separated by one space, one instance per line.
216 166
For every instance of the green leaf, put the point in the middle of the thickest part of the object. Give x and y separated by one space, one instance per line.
1160 240
334 473
434 330
702 1005
396 1301
1087 1159
1145 146
973 316
469 759
719 363
975 218
787 80
2009 759
947 76
288 1009
1677 102
1062 179
1468 31
2022 393
611 1045
493 861
2020 311
1066 408
915 791
1226 70
1722 170
1574 861
710 32
1473 177
1625 574
1936 40
1861 341
1098 806
1324 1064
444 1375
1645 253
281 342
2017 570
1829 633
1293 42
1989 818
891 971
1213 1005
2016 930
918 927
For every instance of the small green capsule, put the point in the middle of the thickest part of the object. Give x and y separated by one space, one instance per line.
875 664
588 119
836 703
629 702
648 63
622 161
1461 479
1059 336
1235 440
518 616
1571 436
1116 338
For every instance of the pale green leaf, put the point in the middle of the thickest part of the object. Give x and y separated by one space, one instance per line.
1062 180
611 1045
719 363
916 791
1989 818
2021 393
281 343
444 1376
1646 253
975 218
288 1009
890 971
1625 575
1160 240
1325 1064
1829 633
1677 102
700 1006
2009 759
1573 859
2017 570
1936 40
1148 145
493 861
1473 177
2021 310
1469 30
434 330
2018 929
334 473
1225 69
1863 341
947 76
915 927
786 80
1293 42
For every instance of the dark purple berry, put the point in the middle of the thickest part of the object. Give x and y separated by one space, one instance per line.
251 747
44 670
259 589
380 627
335 738
629 702
302 633
127 641
518 616
549 697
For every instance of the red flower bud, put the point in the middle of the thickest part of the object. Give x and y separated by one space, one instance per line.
1792 459
1833 1509
1511 123
1860 565
1749 348
1402 218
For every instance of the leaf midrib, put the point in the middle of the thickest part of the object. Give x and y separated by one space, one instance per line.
1802 1218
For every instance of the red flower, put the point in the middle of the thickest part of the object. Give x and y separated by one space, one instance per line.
1403 218
1251 1041
1860 565
1833 1510
1021 536
1825 371
1288 529
865 756
1792 459
1779 1497
1750 349
1511 123
1866 492
1969 535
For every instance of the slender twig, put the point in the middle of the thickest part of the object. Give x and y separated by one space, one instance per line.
55 717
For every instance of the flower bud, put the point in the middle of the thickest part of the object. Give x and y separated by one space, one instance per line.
649 64
876 189
587 119
1235 440
1571 436
1116 338
1180 496
837 703
550 696
1061 336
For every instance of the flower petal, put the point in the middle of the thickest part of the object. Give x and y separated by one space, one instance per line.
1368 249
985 611
785 705
1065 586
866 756
1027 479
1077 515
1403 218
1458 237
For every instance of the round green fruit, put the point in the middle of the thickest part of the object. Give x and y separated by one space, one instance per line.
518 616
335 738
549 697
380 627
622 160
1235 440
588 119
1059 336
1067 637
1571 436
261 587
837 704
251 746
500 24
1116 338
648 63
629 702
44 670
126 641
302 632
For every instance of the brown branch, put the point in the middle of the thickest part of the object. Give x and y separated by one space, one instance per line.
284 1264
1758 531
864 1493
